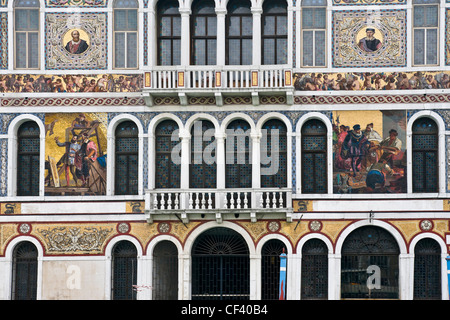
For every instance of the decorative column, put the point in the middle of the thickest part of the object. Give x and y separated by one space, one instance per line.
221 12
220 162
256 61
185 160
256 166
185 52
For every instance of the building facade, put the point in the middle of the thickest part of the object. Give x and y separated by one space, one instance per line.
175 149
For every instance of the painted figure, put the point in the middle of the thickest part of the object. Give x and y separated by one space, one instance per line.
355 147
68 158
76 45
369 43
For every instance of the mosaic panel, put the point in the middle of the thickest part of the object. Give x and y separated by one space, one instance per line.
369 151
447 36
3 166
366 2
364 38
3 3
76 41
76 3
71 83
358 81
3 40
75 154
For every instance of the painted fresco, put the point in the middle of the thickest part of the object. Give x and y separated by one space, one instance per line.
75 154
71 83
372 81
62 30
369 38
369 151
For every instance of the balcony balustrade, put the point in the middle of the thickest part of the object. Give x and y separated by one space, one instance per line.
212 80
205 201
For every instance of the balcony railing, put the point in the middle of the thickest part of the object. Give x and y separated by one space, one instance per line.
211 77
191 201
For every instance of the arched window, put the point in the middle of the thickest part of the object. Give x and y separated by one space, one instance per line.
126 159
124 271
314 157
274 154
24 275
314 24
166 139
370 265
314 270
425 153
28 151
169 33
270 266
220 266
165 271
203 169
239 33
274 35
238 163
125 34
203 33
26 34
427 270
426 32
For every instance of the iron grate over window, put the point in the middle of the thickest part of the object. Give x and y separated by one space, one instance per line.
365 249
427 270
165 271
28 168
203 173
168 173
220 266
25 267
314 270
425 156
127 156
314 157
270 266
124 271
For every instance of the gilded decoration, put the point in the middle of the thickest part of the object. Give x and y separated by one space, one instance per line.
76 41
75 239
3 40
447 36
369 38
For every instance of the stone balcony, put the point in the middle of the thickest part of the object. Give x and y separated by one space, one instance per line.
242 202
218 82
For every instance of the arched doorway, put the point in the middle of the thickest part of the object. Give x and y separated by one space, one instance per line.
370 265
220 266
314 270
165 271
270 269
427 270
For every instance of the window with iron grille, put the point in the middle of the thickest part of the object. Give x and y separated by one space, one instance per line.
168 169
426 32
203 174
126 159
427 270
220 266
314 270
28 168
204 33
126 34
314 157
165 271
239 33
425 173
274 35
314 23
238 163
169 33
24 277
366 247
274 131
26 34
270 269
124 271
